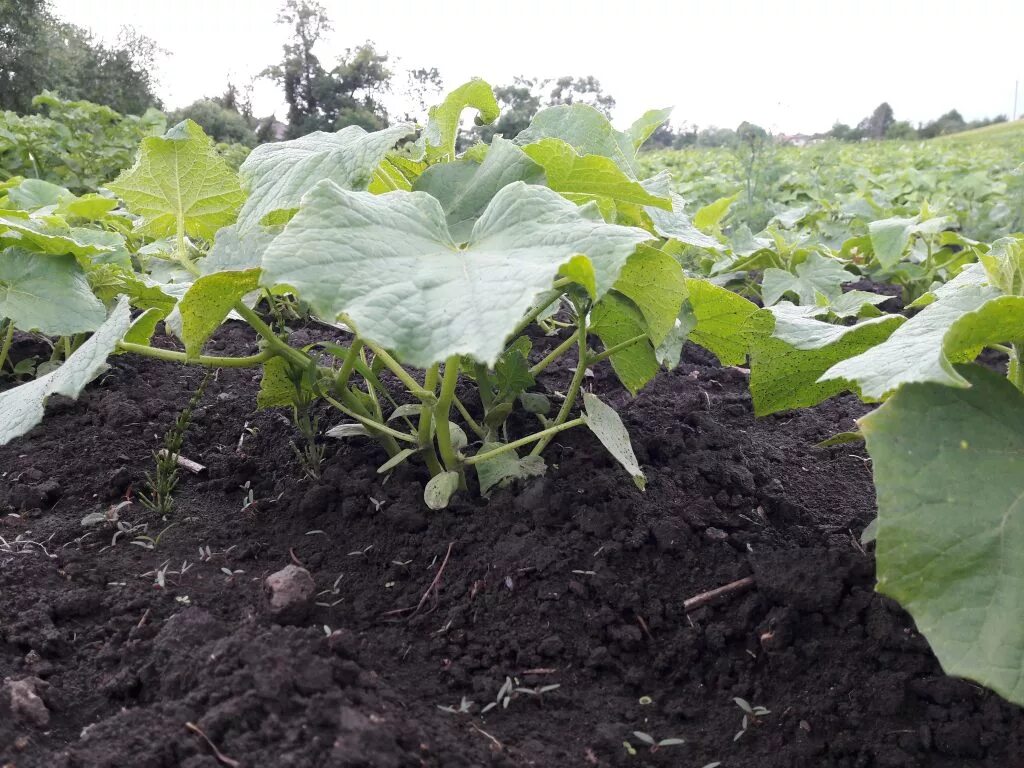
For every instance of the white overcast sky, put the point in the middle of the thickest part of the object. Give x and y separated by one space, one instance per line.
789 66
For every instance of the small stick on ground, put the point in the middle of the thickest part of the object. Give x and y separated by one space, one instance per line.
643 626
192 466
295 559
435 584
142 621
224 759
485 733
719 593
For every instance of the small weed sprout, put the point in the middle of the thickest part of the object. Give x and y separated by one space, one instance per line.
464 708
511 689
161 485
752 715
249 500
652 744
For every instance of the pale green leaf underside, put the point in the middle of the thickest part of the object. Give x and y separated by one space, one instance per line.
388 263
22 407
180 184
606 424
49 294
51 234
949 471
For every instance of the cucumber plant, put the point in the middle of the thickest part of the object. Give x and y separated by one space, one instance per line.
436 263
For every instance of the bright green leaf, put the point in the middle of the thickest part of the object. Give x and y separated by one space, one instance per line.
721 320
654 281
616 320
586 130
443 119
815 275
388 263
207 303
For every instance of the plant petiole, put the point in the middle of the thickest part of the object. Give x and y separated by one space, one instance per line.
543 434
209 361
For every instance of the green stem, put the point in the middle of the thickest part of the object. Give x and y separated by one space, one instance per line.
470 421
543 303
553 355
373 426
443 410
574 387
348 365
1006 350
545 433
5 348
424 433
276 343
615 348
206 360
66 344
400 373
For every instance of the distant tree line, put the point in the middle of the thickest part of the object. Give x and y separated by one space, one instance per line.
882 124
40 52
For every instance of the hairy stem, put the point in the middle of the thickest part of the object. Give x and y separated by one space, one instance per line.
348 365
209 361
574 387
553 355
400 373
542 303
544 433
615 349
470 421
276 343
442 411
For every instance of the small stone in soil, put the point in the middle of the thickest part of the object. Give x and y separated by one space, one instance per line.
290 594
25 702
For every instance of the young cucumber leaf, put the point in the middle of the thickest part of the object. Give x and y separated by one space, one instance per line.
654 281
949 470
49 294
180 185
642 128
208 302
586 130
443 120
464 188
721 317
615 320
506 466
789 352
606 424
589 177
815 275
390 265
22 407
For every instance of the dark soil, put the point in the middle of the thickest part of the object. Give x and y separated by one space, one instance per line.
576 580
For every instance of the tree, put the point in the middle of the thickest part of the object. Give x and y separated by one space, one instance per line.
581 90
218 121
951 122
878 122
40 52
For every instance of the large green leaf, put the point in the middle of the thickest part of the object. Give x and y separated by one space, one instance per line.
789 352
675 223
36 193
589 177
22 407
889 239
179 184
815 275
951 329
721 317
443 120
388 263
49 294
615 320
464 187
949 471
277 175
586 130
